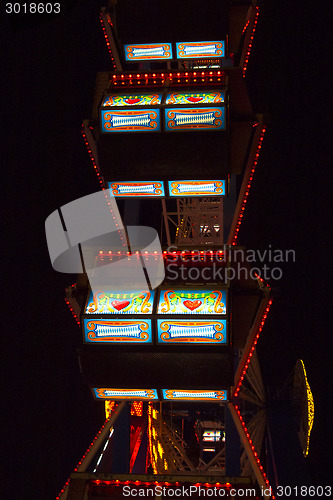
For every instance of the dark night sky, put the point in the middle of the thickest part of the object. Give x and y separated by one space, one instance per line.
50 68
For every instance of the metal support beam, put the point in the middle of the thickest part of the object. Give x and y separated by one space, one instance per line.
251 337
232 446
113 46
246 179
166 224
120 462
250 452
105 431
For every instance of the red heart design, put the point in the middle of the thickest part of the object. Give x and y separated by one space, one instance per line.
132 101
194 99
120 304
192 304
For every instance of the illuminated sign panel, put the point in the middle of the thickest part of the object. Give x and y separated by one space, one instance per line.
180 395
198 332
197 188
116 100
132 120
151 51
213 435
120 302
195 98
131 394
134 189
212 118
193 302
105 331
195 50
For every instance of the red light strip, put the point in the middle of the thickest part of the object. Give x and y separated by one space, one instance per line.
159 78
193 255
72 311
247 56
252 447
246 185
262 281
243 369
118 482
108 44
245 26
80 462
71 308
109 20
96 167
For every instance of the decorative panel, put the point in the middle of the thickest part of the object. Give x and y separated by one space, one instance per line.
132 120
101 330
131 394
134 189
107 302
192 302
195 118
117 100
197 188
180 395
198 332
195 50
194 98
151 51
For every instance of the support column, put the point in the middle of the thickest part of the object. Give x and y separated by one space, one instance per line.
232 447
121 442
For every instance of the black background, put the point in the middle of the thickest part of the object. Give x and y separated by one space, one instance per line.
48 70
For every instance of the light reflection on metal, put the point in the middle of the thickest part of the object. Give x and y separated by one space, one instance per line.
167 449
195 50
135 189
151 51
109 406
197 188
137 408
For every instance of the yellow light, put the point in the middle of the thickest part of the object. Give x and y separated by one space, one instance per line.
310 411
109 407
160 449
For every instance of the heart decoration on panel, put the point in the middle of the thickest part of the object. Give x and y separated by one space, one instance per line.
120 304
192 304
